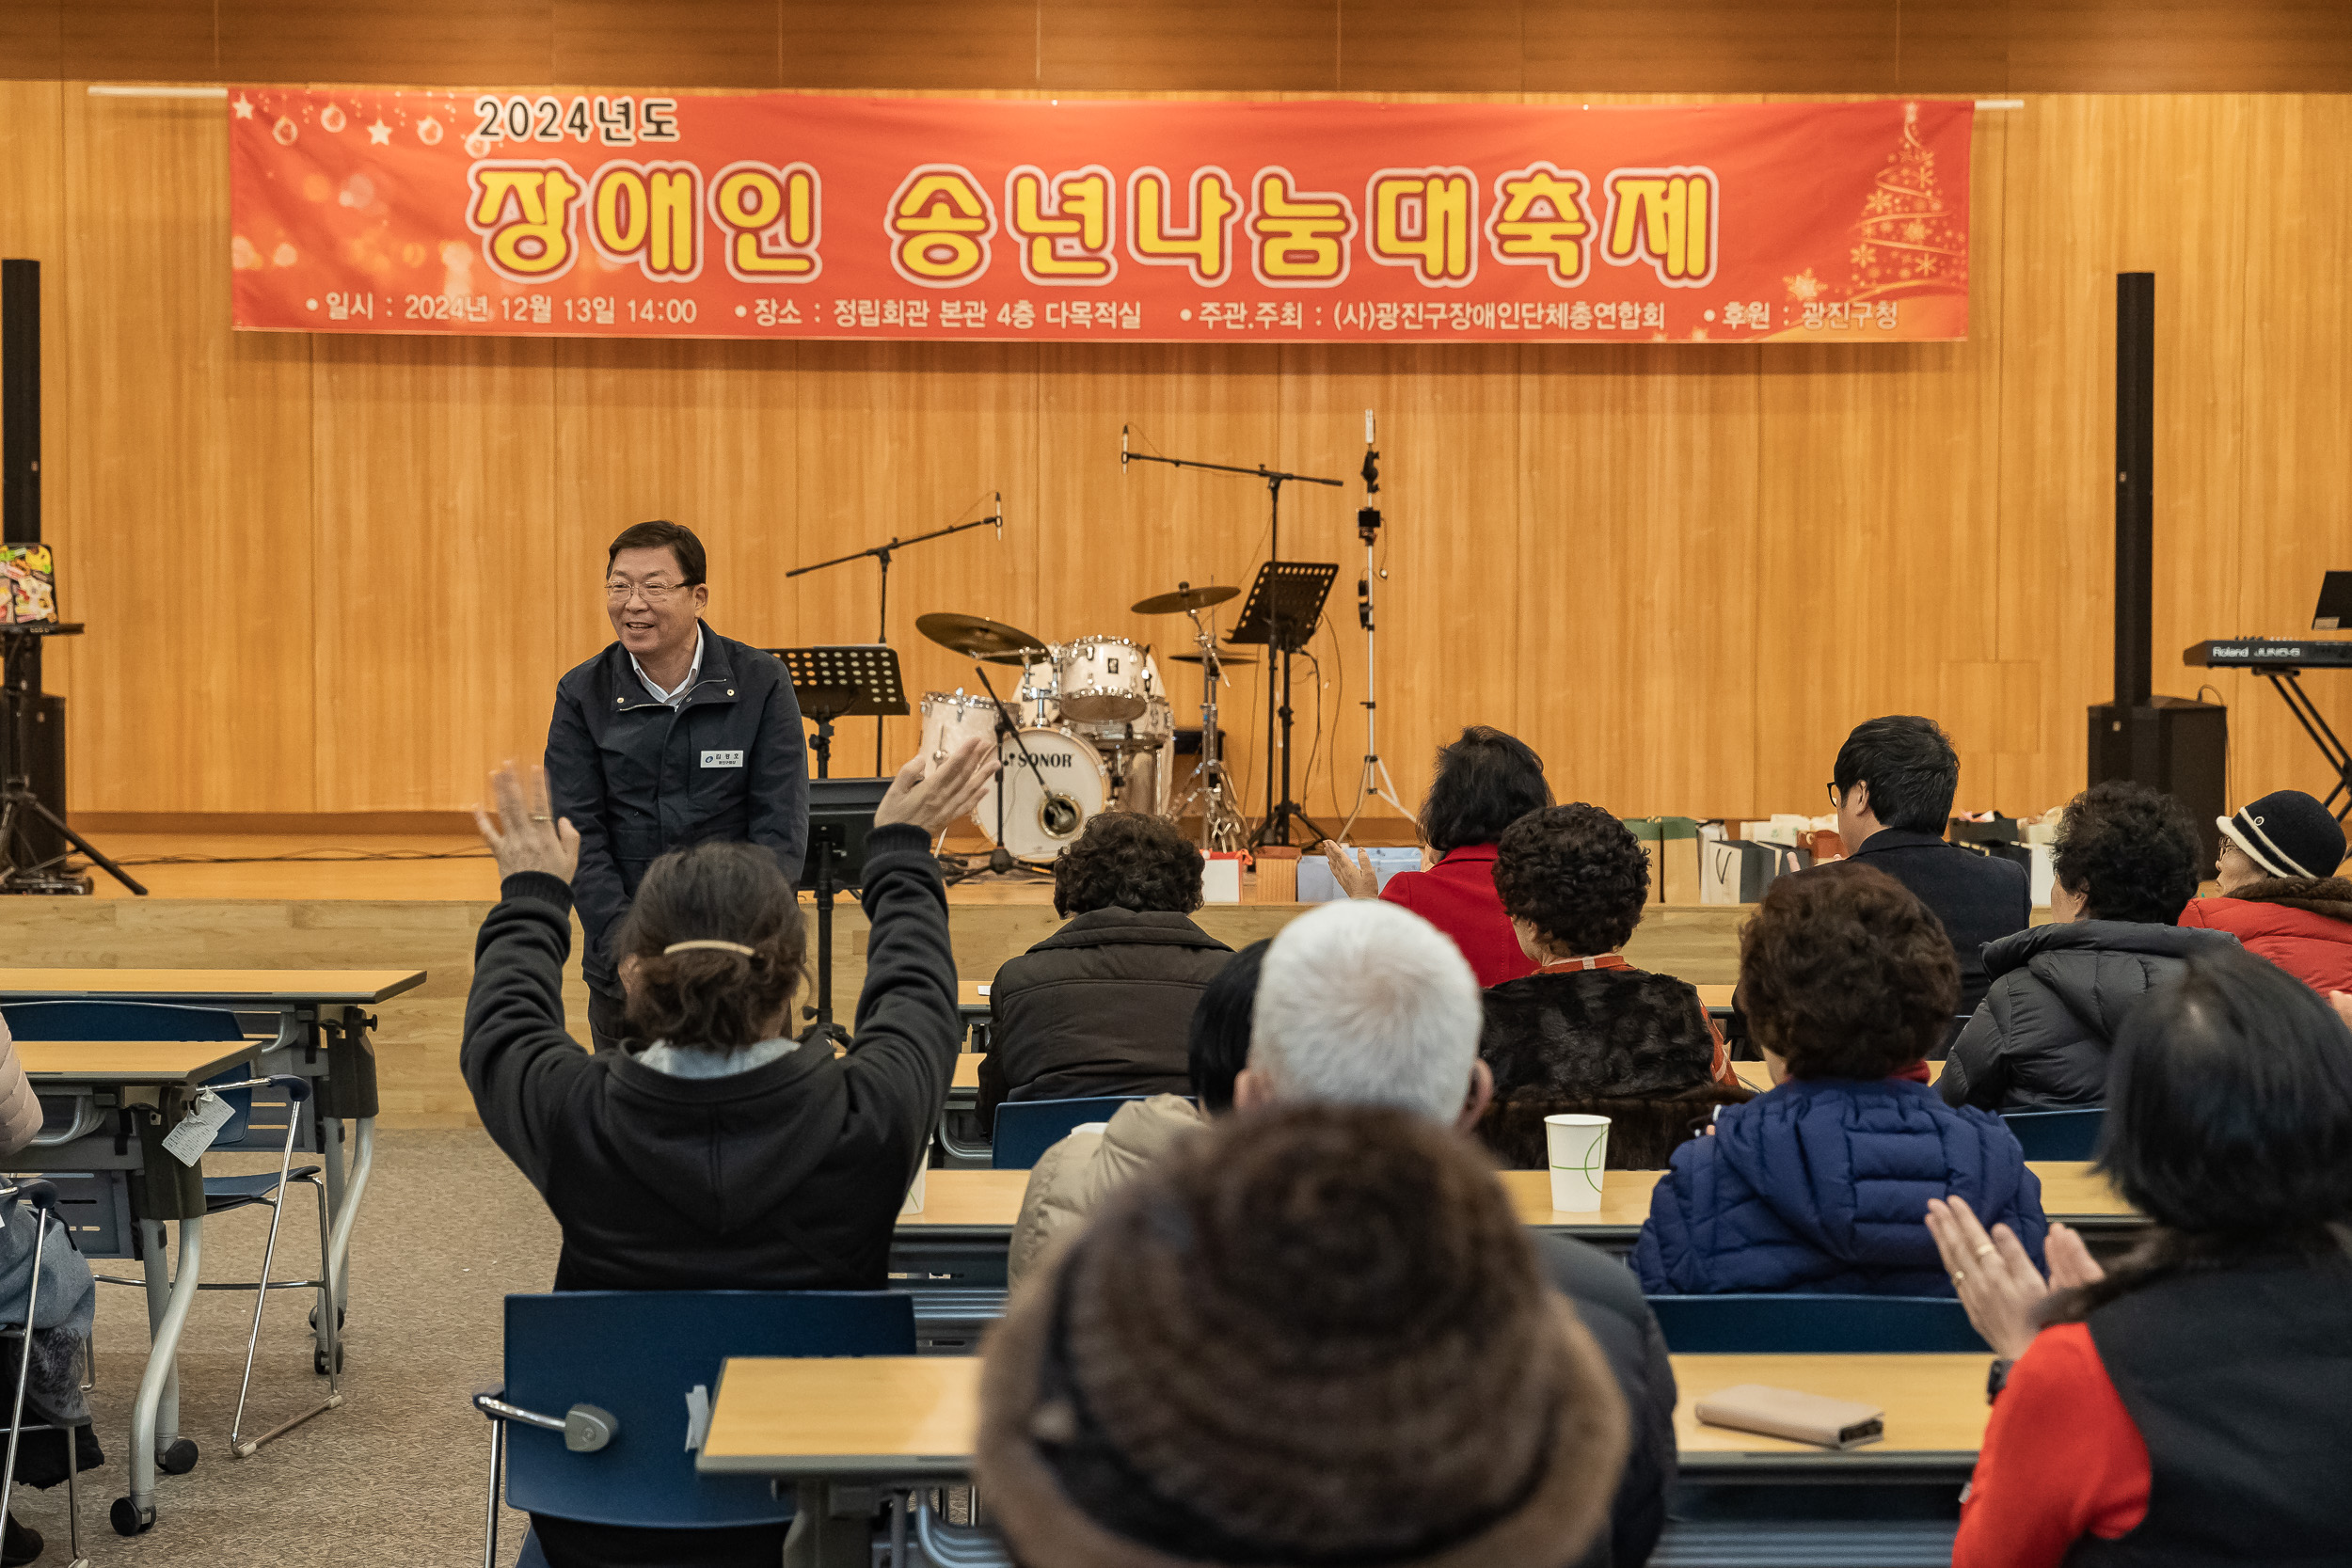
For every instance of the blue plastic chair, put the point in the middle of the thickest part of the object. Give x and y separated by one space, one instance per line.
1026 1129
596 1389
1794 1324
2057 1135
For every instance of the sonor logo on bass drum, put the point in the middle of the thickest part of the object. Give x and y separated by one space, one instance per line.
1053 759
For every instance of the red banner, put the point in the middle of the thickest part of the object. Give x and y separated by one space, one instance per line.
783 216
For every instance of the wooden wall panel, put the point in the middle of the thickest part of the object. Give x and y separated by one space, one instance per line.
898 440
185 460
436 565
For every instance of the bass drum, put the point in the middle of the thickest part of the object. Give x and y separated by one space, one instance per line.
1047 807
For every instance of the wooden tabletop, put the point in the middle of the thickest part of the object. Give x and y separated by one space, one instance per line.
220 986
972 993
915 1416
967 1070
992 1197
64 1064
1714 997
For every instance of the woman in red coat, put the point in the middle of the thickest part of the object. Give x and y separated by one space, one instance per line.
1485 782
2281 895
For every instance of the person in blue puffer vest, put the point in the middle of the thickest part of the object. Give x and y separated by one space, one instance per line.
1823 1184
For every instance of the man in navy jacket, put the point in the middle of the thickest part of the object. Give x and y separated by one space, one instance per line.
670 736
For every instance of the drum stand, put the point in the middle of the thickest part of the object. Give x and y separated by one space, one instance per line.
1221 823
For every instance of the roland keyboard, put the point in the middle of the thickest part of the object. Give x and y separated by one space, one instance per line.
2263 653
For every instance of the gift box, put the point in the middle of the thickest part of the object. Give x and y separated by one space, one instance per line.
1670 845
1734 871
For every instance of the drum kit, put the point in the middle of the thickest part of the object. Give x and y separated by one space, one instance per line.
1088 729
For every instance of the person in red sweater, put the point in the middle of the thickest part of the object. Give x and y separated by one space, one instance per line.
2188 1406
1485 782
2281 895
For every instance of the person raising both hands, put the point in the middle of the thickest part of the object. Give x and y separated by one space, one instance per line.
725 1155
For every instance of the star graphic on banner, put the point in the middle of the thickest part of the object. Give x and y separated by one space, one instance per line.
379 134
244 107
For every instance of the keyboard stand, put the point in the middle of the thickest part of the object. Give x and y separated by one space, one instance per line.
2287 681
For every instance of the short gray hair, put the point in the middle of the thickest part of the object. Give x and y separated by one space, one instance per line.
1364 1003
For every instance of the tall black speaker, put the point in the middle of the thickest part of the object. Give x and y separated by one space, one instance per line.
2168 743
19 524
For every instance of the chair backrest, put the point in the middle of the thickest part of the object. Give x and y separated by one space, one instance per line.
2057 1135
1788 1323
1643 1134
637 1353
1026 1129
140 1020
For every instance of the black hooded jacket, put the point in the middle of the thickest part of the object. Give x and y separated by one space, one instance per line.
788 1177
2059 995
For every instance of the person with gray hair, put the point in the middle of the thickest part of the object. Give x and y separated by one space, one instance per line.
1363 1002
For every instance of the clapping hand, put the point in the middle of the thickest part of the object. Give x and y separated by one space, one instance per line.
1356 877
1996 1281
932 795
528 836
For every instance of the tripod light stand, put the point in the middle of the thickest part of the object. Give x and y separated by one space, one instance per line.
1376 783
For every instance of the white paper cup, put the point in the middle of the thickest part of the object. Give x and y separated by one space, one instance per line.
1579 1147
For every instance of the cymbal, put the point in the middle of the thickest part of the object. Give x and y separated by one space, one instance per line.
1183 599
1222 660
993 641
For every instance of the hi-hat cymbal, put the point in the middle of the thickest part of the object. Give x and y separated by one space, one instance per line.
983 639
1185 598
1222 660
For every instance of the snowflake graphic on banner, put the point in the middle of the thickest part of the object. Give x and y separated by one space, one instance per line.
1909 238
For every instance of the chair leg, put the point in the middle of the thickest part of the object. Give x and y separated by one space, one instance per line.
330 1319
498 1474
25 1360
239 1445
73 1493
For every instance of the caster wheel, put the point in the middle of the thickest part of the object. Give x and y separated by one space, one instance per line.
178 1458
130 1519
318 1359
341 1317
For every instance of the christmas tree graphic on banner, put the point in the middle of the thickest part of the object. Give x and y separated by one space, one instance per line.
1910 240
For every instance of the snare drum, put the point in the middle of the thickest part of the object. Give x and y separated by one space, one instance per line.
1047 807
950 719
1103 680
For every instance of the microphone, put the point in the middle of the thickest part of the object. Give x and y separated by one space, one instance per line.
1122 449
1369 437
1000 516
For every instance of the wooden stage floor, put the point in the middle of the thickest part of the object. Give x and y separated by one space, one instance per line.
235 911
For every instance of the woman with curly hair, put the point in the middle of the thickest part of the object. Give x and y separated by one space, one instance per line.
2186 1404
1821 1184
2125 866
1103 1005
1484 781
1587 1031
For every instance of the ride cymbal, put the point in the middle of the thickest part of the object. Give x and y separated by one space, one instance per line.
1186 597
980 638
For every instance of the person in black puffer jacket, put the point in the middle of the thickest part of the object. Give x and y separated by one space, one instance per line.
2126 865
1103 1005
1587 1031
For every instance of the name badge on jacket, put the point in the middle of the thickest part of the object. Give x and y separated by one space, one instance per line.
723 759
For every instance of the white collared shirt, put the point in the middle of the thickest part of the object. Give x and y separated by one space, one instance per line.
694 674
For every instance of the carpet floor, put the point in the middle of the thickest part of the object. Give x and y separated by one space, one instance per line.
395 1477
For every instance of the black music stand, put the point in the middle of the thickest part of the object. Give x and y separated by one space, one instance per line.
1283 607
857 681
21 869
840 816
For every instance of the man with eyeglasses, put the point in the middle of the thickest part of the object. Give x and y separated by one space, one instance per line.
1896 777
673 736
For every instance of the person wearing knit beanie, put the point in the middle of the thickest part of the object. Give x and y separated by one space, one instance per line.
1313 1335
2281 895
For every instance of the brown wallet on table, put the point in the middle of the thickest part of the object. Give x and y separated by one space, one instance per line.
1800 1417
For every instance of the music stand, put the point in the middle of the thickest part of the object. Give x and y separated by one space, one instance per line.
856 681
840 816
1280 614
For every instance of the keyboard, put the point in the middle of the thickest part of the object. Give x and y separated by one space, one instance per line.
2263 653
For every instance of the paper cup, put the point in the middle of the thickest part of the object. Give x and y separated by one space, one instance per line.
1578 1146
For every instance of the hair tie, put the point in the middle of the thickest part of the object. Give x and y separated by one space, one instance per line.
714 942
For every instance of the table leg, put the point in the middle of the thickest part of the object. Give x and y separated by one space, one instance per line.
346 1214
154 1242
163 1368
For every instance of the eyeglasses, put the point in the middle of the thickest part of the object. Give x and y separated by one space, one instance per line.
1831 787
653 592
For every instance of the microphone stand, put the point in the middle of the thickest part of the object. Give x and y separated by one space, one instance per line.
1275 479
881 555
1375 781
